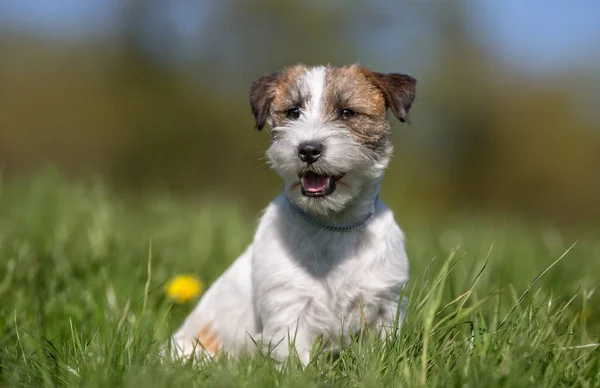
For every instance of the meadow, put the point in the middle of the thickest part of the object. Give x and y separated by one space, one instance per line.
492 301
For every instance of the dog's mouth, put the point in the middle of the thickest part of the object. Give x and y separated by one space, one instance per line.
316 185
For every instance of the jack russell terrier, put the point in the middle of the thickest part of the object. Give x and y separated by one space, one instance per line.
328 258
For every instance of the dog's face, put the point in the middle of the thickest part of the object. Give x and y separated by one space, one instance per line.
329 129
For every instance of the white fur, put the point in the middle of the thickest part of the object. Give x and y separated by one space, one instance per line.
297 280
296 273
315 81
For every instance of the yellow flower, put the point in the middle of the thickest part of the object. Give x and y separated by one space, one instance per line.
183 288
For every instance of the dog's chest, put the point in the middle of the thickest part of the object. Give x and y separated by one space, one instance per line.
322 277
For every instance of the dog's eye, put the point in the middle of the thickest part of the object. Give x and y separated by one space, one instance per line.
293 113
347 113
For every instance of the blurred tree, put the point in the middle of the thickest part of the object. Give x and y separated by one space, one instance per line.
164 103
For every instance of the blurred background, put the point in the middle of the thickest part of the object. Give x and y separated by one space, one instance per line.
152 96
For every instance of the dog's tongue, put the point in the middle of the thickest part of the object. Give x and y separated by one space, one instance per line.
314 183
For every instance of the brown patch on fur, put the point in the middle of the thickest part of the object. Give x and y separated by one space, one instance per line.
208 339
273 94
398 89
352 88
261 96
288 92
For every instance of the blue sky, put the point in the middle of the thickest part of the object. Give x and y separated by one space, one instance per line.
539 35
542 33
60 18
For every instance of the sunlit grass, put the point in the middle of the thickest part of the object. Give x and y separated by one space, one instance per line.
82 299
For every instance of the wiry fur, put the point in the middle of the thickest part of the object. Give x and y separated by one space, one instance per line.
296 278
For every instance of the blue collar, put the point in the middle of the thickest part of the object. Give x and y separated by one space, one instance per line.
334 228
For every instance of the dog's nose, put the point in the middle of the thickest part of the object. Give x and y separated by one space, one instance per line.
309 152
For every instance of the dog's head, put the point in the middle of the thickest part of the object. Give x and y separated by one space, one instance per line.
329 129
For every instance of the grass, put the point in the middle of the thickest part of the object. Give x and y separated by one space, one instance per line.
81 301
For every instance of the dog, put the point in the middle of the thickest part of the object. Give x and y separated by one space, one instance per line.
328 258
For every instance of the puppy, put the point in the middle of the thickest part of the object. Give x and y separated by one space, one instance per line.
328 258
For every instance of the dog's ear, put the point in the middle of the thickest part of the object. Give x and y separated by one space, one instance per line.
262 93
399 92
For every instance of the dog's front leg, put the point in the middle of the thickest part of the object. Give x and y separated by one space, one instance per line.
391 317
287 329
285 340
